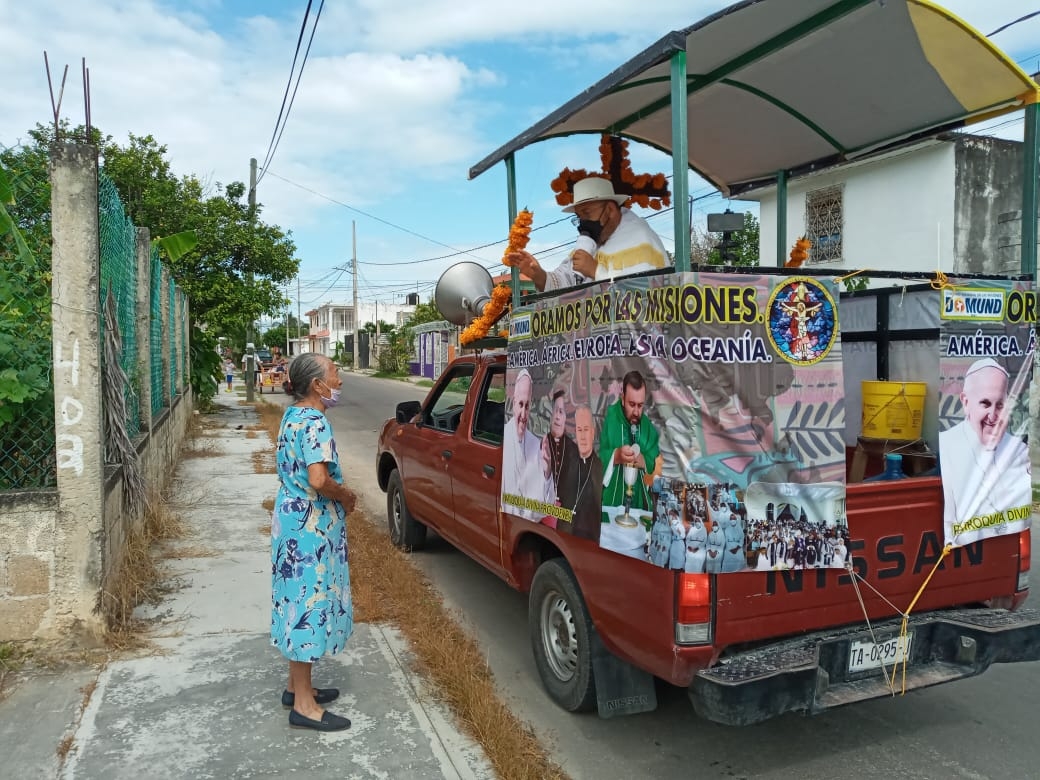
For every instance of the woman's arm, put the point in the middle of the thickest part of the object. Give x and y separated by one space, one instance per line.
325 485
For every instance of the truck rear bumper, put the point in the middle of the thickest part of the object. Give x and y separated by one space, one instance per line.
811 674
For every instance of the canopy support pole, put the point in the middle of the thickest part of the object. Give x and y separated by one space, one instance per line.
680 162
514 272
1030 185
781 218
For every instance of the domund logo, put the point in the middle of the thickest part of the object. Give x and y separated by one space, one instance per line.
972 304
803 321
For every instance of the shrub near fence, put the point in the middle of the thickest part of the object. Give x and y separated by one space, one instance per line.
27 437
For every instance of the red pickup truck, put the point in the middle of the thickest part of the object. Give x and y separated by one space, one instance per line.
752 375
747 646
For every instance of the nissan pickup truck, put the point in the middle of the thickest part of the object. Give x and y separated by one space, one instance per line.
747 646
736 537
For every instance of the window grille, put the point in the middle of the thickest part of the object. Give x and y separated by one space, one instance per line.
823 224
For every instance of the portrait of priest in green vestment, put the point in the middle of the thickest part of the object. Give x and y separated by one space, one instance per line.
628 438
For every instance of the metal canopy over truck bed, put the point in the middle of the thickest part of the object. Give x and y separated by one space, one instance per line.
767 89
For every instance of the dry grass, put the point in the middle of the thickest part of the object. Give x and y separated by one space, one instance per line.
65 747
444 652
263 462
201 446
181 552
138 579
12 657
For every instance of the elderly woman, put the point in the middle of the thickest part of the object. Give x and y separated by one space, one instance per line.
312 613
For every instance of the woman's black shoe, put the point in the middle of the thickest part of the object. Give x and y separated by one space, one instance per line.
321 696
328 722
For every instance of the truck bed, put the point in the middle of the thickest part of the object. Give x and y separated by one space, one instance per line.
895 543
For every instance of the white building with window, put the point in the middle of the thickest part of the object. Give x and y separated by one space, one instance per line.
332 322
950 203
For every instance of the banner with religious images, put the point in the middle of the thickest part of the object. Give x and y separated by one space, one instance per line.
987 340
690 420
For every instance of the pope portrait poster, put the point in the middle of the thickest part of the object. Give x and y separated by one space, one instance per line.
987 343
694 421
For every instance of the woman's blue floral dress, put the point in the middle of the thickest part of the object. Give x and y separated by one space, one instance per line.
312 613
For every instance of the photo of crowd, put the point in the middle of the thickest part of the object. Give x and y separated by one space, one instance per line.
717 529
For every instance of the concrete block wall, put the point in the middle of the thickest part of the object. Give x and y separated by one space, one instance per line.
27 522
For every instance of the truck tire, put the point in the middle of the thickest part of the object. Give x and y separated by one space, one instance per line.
561 636
406 532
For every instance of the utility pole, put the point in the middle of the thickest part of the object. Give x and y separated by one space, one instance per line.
299 325
353 265
251 354
377 330
287 302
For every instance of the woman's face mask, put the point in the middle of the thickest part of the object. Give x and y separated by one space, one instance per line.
333 398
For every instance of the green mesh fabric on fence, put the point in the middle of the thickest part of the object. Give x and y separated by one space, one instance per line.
171 322
27 436
184 339
155 335
118 238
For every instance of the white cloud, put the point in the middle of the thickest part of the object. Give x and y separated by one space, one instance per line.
397 100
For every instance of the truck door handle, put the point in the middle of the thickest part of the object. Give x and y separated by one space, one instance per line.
446 453
489 470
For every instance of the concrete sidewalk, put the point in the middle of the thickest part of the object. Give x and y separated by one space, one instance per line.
204 701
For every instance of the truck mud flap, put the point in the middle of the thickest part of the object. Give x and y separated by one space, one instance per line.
816 672
621 689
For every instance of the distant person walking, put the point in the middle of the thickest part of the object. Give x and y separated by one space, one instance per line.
229 373
312 614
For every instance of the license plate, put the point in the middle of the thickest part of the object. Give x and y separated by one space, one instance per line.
867 655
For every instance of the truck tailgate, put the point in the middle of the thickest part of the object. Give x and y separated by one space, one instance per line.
896 537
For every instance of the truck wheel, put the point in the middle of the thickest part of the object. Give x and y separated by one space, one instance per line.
561 635
405 531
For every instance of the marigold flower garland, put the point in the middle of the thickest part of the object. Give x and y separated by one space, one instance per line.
799 253
644 189
493 311
519 235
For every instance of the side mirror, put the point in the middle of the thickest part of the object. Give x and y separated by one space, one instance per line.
406 410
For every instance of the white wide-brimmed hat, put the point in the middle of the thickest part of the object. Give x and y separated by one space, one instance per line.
594 188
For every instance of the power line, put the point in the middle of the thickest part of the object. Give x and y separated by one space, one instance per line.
1012 24
371 216
280 123
455 251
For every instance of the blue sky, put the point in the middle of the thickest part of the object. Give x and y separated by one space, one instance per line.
399 98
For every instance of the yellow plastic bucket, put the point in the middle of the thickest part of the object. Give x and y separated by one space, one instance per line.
893 410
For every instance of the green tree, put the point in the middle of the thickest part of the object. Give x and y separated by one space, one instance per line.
424 312
706 249
275 336
234 273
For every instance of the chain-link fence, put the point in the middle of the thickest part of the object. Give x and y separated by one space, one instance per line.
118 239
27 438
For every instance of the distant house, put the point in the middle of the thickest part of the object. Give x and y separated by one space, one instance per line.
433 347
331 323
950 203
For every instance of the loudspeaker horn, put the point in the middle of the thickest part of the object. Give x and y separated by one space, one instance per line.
462 292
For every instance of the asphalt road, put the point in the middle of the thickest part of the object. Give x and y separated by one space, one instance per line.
980 728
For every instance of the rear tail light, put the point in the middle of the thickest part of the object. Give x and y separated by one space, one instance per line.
1024 559
693 622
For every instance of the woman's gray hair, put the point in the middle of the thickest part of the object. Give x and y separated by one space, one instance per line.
303 370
